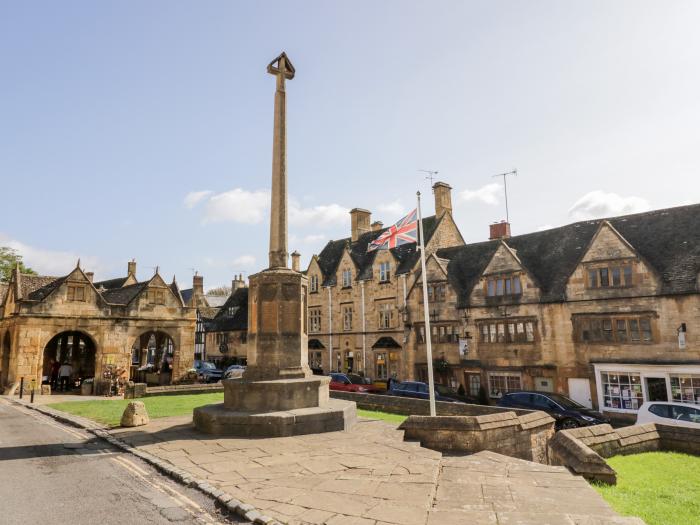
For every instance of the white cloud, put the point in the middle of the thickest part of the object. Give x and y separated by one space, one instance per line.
245 261
320 216
313 238
395 208
597 204
195 197
237 205
488 194
52 262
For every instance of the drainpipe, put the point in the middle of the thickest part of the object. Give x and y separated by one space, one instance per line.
364 329
404 289
330 330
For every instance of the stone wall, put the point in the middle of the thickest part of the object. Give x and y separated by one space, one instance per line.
521 436
582 449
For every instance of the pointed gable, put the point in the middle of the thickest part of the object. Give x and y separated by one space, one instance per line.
504 260
608 244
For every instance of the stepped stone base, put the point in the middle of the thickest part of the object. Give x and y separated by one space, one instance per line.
218 420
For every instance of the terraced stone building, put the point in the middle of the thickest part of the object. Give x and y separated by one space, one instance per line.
120 322
357 300
606 311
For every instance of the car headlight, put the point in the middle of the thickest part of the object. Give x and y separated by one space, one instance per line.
589 418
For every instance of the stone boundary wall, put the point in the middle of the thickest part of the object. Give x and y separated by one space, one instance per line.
136 390
521 436
408 406
583 450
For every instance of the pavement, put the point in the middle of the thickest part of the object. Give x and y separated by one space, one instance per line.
371 476
57 474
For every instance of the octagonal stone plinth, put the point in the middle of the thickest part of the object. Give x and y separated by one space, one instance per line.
218 420
272 396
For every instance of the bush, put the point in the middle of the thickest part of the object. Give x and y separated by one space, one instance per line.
483 396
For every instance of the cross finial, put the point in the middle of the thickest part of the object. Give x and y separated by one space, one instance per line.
282 68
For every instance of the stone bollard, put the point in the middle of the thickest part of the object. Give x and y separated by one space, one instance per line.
135 415
45 390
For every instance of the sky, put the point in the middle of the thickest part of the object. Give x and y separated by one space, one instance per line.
143 129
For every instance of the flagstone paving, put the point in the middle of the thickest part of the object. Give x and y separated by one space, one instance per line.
370 476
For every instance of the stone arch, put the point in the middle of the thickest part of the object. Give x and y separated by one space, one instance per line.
76 347
152 356
5 350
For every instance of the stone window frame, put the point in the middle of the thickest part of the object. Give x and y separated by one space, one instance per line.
313 283
597 273
638 328
504 285
385 272
314 319
440 333
521 330
385 316
155 296
346 278
347 311
73 295
437 292
505 386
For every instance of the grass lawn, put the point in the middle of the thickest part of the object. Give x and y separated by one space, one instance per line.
662 488
385 416
109 411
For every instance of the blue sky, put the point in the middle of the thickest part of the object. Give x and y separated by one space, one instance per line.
132 129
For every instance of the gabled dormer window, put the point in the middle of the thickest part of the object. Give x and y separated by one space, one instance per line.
156 296
313 284
503 285
609 276
76 293
347 278
384 272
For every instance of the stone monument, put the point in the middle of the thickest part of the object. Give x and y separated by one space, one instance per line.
277 395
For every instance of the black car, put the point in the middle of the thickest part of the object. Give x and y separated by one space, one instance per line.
567 412
208 372
420 391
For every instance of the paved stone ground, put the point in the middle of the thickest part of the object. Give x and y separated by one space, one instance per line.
370 476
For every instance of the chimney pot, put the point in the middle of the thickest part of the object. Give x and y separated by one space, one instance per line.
443 198
359 219
296 256
499 230
237 283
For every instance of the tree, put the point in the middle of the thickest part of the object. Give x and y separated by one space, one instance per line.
9 258
222 291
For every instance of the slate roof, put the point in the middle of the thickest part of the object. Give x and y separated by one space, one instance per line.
125 294
37 287
187 295
406 255
668 240
111 283
233 315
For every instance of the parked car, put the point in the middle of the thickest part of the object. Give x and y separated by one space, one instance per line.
234 372
567 412
208 372
350 383
669 413
419 390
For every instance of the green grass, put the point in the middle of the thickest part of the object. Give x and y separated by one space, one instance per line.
385 416
662 488
109 411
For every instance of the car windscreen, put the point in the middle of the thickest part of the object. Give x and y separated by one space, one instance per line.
356 380
444 390
565 402
207 366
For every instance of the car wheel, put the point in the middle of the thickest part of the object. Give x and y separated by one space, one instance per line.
568 423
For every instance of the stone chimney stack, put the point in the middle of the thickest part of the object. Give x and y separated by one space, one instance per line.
443 198
90 276
499 230
238 282
131 267
197 285
296 258
360 220
377 225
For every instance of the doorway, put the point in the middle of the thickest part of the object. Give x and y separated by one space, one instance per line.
656 389
5 360
580 391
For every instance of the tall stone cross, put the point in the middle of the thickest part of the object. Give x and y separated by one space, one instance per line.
283 69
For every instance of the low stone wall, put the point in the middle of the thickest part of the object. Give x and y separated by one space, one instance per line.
408 406
520 436
183 389
582 449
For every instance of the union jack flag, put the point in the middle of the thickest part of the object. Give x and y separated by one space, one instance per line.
403 232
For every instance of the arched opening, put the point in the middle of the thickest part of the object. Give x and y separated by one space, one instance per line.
316 349
152 358
5 359
68 355
386 358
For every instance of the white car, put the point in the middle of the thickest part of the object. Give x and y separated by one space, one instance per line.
669 413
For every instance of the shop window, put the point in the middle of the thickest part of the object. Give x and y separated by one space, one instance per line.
622 390
685 388
503 382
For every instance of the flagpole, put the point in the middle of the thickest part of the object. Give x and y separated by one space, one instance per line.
428 342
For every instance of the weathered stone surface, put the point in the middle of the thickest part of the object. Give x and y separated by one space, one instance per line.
272 396
135 414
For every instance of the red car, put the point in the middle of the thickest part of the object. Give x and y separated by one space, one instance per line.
350 383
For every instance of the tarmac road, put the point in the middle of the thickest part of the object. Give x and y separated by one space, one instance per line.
51 473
